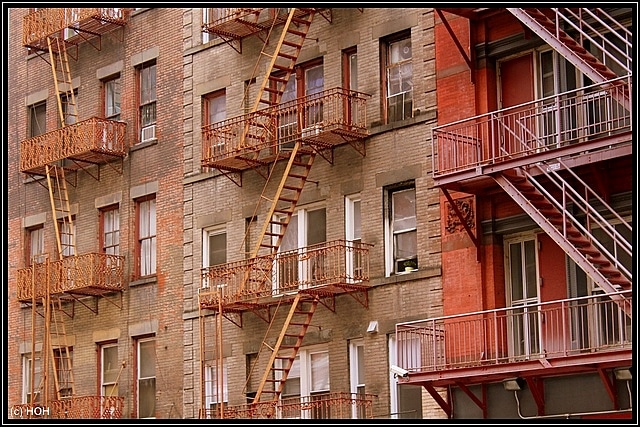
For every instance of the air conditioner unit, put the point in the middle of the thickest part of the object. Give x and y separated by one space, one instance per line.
313 130
148 133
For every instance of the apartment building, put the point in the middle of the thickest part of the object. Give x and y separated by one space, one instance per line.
313 121
533 157
174 147
95 213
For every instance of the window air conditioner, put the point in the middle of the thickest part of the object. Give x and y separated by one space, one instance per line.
148 133
313 130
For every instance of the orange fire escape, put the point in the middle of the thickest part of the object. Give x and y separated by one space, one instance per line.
51 287
295 131
532 152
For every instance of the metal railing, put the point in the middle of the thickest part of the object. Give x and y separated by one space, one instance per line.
548 330
77 407
337 405
337 263
544 125
92 135
42 23
333 109
100 272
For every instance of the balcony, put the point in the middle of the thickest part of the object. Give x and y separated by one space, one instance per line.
93 141
322 121
90 274
550 338
72 24
581 124
235 23
78 407
339 405
325 269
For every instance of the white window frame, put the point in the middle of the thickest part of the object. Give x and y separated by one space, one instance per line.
405 96
300 216
26 376
139 377
211 384
394 392
110 218
356 375
304 364
206 37
67 232
147 257
353 234
390 250
36 245
103 369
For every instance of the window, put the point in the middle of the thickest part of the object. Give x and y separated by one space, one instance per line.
31 370
307 227
208 16
146 378
214 247
353 230
406 400
37 119
306 80
110 230
112 98
147 85
67 230
63 360
69 108
356 367
35 251
308 379
214 110
110 368
401 246
350 69
146 249
212 375
398 75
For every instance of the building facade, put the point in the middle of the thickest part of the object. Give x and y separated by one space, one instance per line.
533 156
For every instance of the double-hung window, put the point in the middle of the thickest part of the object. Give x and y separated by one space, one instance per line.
398 74
147 96
31 378
146 242
146 378
401 229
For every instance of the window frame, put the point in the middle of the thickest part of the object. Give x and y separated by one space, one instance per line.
27 361
353 235
68 247
151 198
357 375
37 114
104 213
152 102
138 371
391 259
32 233
212 400
107 94
387 67
207 233
103 385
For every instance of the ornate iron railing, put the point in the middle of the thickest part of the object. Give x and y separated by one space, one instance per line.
93 273
341 264
77 407
94 135
338 405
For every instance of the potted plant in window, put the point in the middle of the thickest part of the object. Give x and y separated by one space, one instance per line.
410 265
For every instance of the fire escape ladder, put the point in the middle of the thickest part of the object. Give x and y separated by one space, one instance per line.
62 363
557 218
284 202
67 107
617 51
283 58
286 347
61 210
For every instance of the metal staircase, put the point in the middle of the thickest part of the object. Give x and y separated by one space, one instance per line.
293 332
552 28
62 361
568 216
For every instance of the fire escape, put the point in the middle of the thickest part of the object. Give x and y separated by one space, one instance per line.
537 154
52 287
267 279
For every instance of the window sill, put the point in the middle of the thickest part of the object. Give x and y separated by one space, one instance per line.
143 281
141 145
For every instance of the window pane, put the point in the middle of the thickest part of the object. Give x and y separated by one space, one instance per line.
217 109
356 221
110 364
112 99
404 210
319 371
353 71
147 398
406 245
217 248
147 359
316 227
